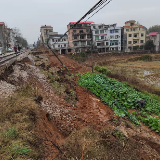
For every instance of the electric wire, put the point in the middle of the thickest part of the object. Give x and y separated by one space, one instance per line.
100 3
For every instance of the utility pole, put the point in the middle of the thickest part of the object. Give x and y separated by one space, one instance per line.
92 49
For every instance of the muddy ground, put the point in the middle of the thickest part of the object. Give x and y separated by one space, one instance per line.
58 118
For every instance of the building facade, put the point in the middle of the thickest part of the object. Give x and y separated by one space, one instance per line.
155 37
59 45
46 31
3 43
79 36
136 35
107 37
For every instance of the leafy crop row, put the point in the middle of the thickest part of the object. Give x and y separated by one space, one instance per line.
121 97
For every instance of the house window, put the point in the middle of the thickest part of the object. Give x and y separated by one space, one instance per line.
106 43
88 42
81 37
61 46
111 31
75 44
97 32
58 45
130 35
58 40
101 31
64 39
52 40
74 31
102 37
85 25
111 37
87 30
116 42
142 34
129 42
100 27
81 31
141 41
79 25
127 30
96 37
116 36
94 27
98 44
116 31
75 37
88 36
134 29
135 35
134 42
64 45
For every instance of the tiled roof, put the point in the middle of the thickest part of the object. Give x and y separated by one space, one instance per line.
130 21
132 26
153 33
81 22
2 23
127 26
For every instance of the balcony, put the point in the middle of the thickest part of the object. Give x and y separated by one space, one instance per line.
136 37
80 27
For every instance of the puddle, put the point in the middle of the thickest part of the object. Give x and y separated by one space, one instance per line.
145 73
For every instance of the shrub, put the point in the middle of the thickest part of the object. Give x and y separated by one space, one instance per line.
102 70
144 58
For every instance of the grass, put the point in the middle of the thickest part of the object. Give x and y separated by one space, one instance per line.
18 114
88 143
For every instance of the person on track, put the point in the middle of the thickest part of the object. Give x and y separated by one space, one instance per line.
19 48
15 49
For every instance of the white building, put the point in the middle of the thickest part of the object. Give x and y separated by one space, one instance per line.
107 37
60 45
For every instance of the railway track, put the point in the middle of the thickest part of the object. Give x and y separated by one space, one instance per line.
7 58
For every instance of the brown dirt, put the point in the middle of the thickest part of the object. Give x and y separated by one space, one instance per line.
59 118
48 132
91 112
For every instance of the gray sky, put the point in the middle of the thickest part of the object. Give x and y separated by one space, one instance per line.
29 15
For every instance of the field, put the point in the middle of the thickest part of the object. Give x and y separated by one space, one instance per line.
83 116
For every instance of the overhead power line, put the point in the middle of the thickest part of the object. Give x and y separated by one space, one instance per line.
95 7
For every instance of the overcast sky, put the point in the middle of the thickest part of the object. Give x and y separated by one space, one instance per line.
29 15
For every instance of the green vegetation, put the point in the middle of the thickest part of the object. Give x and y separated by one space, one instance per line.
144 58
80 57
155 28
18 138
149 45
121 97
102 70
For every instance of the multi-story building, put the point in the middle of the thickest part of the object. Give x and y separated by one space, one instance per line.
46 31
136 35
155 37
60 45
107 37
2 35
79 36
